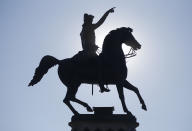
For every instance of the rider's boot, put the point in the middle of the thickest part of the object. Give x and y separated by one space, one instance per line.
103 89
101 83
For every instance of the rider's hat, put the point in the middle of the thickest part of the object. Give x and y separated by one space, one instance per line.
88 17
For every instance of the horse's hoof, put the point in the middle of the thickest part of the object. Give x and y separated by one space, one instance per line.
144 107
89 109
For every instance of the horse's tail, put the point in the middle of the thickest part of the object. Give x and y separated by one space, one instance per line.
45 63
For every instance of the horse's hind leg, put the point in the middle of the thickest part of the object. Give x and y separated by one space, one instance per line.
89 109
71 91
129 86
74 99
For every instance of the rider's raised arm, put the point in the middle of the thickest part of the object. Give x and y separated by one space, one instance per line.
100 22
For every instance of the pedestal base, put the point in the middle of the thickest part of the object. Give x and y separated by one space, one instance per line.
103 121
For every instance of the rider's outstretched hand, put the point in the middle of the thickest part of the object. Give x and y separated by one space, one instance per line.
111 10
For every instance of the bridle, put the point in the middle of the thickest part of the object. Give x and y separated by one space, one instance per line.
131 53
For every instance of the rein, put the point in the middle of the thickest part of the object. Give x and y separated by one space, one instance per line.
131 53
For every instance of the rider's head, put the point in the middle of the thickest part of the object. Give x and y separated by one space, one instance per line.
88 18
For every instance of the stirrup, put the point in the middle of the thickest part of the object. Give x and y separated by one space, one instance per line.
104 90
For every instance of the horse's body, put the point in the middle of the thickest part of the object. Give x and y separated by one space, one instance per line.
74 71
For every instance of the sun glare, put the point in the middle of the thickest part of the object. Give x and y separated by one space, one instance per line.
100 38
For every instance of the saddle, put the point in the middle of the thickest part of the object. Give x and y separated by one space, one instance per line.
83 55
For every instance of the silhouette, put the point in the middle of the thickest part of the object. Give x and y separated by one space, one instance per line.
103 119
88 41
74 71
88 32
86 129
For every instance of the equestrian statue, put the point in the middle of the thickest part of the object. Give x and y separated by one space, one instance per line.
107 68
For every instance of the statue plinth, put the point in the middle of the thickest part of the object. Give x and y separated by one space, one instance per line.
103 119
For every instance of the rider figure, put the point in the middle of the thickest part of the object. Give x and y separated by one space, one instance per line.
88 40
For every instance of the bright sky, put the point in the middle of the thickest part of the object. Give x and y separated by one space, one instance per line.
30 29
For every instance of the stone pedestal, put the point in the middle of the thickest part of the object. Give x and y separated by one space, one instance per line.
103 119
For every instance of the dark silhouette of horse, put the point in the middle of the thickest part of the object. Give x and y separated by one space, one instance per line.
76 70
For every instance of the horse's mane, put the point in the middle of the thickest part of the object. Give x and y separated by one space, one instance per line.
115 34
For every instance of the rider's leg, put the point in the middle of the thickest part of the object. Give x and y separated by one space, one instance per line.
100 71
100 78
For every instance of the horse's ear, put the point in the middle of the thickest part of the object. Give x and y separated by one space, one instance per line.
130 29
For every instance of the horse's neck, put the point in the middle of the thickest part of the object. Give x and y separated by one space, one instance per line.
113 50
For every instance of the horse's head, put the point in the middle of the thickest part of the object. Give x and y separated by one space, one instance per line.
119 36
128 38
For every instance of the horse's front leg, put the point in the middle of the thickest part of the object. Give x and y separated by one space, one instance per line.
129 86
121 96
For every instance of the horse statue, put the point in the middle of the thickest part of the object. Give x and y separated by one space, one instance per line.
73 71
